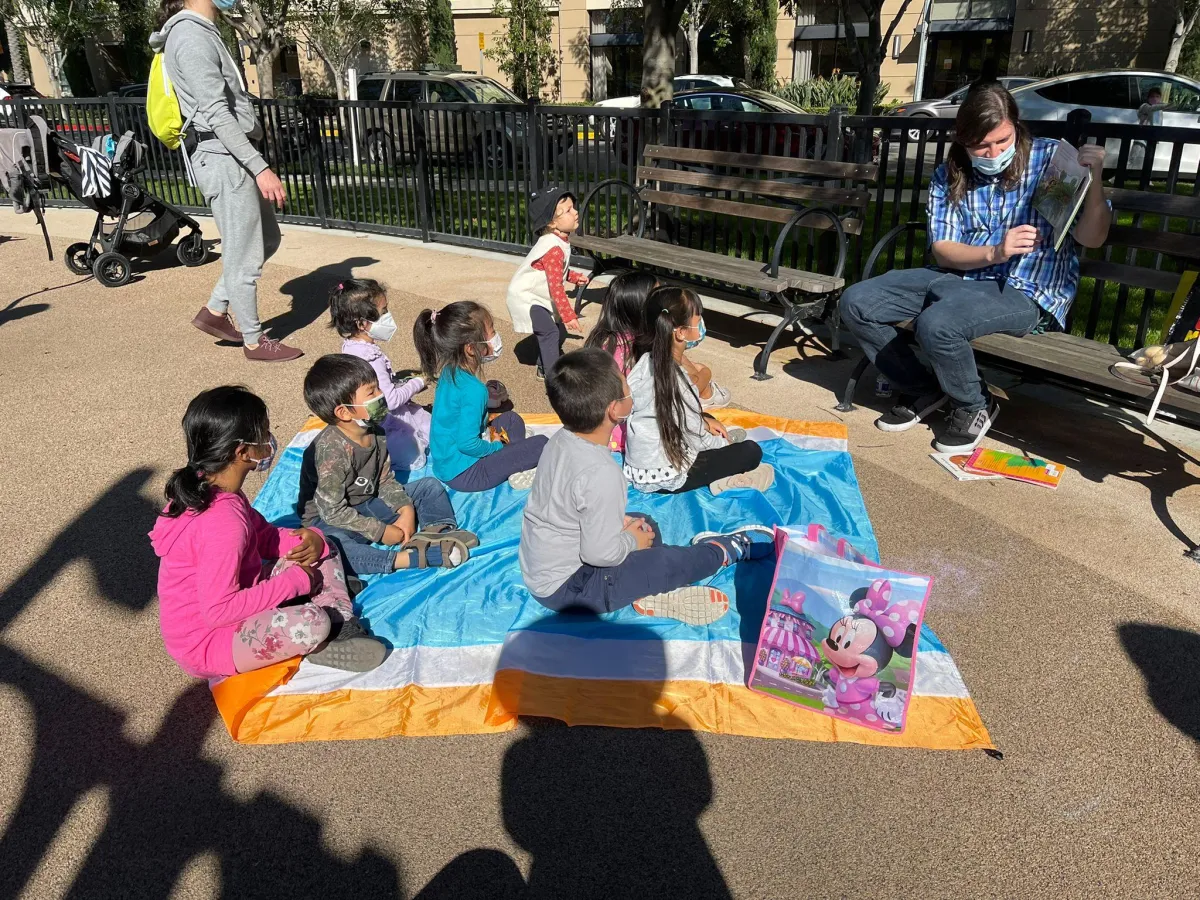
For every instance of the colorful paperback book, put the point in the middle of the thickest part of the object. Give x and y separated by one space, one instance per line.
1030 469
840 636
955 463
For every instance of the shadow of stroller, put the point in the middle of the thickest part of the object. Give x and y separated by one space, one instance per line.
1167 657
310 295
604 812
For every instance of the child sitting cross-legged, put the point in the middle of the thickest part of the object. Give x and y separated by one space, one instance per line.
579 550
454 343
348 490
358 310
235 592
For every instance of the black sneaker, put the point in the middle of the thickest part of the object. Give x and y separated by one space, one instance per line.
967 428
910 411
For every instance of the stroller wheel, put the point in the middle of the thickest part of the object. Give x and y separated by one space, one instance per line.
191 250
78 258
112 269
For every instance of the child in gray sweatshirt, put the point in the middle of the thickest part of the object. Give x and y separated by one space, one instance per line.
579 550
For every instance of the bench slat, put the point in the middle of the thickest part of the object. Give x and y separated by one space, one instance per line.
1169 242
699 263
1135 276
745 210
1156 204
757 186
820 168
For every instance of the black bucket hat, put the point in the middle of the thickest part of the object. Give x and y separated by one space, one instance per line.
542 205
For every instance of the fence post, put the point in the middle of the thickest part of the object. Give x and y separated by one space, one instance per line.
19 112
533 161
833 134
1077 122
316 152
113 115
421 151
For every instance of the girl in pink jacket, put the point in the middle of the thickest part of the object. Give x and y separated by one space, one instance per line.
236 593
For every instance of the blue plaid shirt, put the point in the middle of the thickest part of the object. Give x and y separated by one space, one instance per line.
987 211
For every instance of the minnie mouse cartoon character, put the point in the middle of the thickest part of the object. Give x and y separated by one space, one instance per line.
861 645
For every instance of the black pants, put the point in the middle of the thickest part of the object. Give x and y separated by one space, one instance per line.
550 334
711 465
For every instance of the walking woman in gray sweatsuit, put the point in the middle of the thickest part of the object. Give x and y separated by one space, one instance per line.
230 172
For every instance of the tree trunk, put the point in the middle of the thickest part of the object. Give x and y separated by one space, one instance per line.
1178 37
14 52
693 39
661 25
868 83
54 68
264 66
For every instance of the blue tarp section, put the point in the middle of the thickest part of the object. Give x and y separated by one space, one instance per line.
483 600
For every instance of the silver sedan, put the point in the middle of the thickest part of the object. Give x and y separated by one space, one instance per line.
947 107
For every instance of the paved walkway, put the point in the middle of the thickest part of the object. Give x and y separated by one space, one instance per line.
1071 614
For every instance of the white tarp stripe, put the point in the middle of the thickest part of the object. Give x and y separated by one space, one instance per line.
304 438
564 656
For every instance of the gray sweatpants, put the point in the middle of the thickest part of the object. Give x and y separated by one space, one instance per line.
249 236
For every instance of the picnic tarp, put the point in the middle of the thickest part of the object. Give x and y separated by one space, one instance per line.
471 650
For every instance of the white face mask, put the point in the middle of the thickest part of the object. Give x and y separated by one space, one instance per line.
495 346
383 328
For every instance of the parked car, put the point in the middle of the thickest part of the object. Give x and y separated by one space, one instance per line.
736 134
8 91
947 107
1113 96
680 84
494 137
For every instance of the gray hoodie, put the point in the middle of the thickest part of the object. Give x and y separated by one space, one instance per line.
209 86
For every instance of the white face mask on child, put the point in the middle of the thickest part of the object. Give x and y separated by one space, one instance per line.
495 347
383 328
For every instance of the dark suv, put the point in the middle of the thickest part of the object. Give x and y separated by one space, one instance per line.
492 136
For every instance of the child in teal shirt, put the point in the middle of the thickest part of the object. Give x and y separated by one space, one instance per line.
454 343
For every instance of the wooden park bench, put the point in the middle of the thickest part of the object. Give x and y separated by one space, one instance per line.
771 189
1076 362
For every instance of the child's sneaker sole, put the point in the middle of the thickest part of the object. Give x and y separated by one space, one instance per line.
356 654
691 605
522 481
758 479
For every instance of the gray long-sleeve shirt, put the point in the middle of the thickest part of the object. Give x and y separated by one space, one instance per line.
575 514
209 87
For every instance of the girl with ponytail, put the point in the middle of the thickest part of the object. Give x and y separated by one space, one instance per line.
671 444
225 573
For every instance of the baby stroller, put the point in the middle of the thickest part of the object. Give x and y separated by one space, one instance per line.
129 221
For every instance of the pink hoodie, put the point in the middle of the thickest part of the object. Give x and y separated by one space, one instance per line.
210 578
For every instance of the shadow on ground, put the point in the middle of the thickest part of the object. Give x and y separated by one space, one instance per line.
15 311
603 812
310 295
166 804
1168 657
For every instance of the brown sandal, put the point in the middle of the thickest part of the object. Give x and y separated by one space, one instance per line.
449 531
446 542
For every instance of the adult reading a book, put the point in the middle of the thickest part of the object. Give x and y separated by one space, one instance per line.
994 269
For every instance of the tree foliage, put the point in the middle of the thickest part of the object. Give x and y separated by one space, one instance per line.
336 30
524 51
263 26
870 49
52 27
1186 12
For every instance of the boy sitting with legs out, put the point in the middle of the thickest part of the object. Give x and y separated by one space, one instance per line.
348 489
579 550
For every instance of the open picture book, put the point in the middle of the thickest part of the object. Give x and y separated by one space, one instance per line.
1059 194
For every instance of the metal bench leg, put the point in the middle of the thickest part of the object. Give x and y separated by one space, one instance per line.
790 317
835 328
597 270
847 404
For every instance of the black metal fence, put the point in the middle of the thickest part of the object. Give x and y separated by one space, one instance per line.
461 174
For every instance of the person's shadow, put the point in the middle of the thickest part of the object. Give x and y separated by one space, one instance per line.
1168 658
310 295
604 812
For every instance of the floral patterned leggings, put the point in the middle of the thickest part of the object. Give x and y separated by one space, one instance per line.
287 631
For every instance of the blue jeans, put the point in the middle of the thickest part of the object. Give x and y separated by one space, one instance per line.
431 504
657 569
949 311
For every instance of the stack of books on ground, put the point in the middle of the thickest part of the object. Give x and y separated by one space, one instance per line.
995 465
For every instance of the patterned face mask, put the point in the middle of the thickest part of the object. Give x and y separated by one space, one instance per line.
696 343
376 410
261 465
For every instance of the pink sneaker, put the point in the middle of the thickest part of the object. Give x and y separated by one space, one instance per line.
269 350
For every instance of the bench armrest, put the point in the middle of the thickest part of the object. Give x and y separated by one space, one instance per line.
619 183
887 239
798 217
